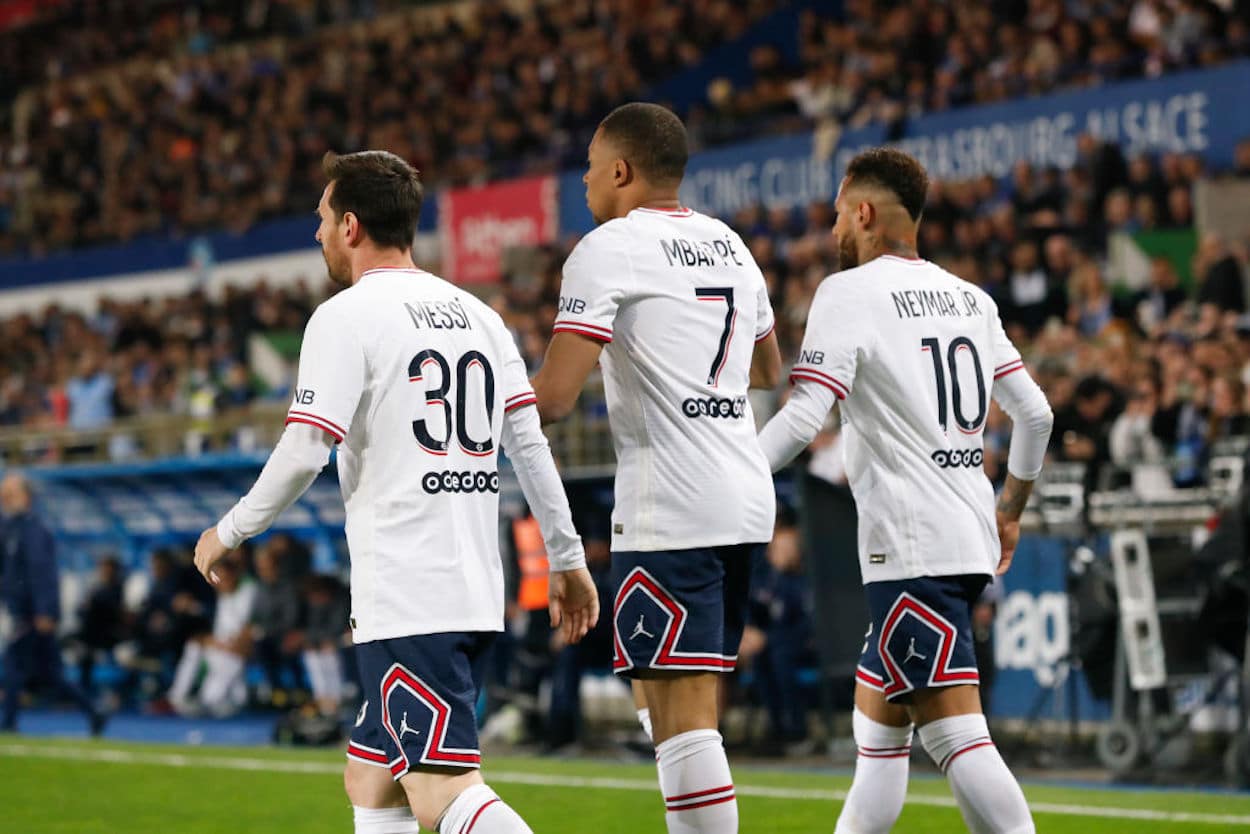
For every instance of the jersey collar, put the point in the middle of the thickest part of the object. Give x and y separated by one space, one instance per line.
381 269
680 211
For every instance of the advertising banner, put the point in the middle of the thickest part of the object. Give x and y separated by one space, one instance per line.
478 224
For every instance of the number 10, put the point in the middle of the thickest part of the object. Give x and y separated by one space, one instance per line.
952 352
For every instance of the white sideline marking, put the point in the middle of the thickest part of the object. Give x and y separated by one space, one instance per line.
97 754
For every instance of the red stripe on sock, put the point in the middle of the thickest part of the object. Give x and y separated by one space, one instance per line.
886 755
729 798
959 753
468 828
698 794
884 749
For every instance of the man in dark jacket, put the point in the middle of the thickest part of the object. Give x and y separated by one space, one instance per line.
30 590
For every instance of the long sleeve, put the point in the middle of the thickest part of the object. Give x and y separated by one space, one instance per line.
527 448
39 550
795 426
1031 420
301 453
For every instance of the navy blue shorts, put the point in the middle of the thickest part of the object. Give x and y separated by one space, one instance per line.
420 701
920 636
680 610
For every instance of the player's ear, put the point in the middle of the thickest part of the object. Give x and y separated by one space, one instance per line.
622 174
865 213
352 229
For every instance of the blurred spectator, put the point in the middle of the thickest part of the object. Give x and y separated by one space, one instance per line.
209 677
1155 305
90 394
1221 290
1091 308
326 611
1028 298
1082 430
29 582
776 641
276 617
103 622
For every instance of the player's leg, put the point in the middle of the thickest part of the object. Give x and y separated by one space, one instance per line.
379 803
427 697
954 732
678 618
883 737
640 706
930 660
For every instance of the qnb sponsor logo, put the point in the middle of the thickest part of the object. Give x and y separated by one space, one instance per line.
467 481
956 458
733 409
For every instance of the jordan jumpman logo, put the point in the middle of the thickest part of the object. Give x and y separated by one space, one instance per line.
911 652
404 728
640 630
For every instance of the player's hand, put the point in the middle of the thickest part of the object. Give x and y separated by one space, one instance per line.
573 603
1008 536
208 552
45 625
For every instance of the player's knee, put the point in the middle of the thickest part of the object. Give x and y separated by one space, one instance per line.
947 738
371 787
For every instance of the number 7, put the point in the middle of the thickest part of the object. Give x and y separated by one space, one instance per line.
725 294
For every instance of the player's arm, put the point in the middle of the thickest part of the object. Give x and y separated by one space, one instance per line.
302 452
330 383
590 293
766 362
570 359
1031 419
823 375
574 602
572 599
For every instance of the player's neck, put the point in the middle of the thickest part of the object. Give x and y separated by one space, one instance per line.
886 243
664 201
381 259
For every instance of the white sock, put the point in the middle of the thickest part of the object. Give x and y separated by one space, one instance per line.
880 784
479 810
697 786
644 718
988 795
385 820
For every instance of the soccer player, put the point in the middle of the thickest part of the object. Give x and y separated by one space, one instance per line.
914 353
676 309
419 384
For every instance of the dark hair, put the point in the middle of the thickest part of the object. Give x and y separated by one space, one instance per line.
651 138
382 190
894 171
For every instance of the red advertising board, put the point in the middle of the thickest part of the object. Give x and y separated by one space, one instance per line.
478 224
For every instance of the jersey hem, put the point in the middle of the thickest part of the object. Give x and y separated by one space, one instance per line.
626 545
364 635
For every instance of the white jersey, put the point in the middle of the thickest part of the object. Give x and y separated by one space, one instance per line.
913 352
680 303
413 376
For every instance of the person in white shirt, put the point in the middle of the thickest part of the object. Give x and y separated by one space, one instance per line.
912 354
672 304
222 654
420 385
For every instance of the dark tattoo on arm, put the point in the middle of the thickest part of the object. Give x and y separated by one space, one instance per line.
1014 496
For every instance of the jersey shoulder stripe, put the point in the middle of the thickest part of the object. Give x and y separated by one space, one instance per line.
812 375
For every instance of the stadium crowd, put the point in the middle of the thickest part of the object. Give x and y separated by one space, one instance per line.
217 115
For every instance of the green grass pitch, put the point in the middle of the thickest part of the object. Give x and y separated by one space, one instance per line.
79 787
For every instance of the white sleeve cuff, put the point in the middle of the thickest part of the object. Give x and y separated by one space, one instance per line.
302 452
527 448
795 426
1031 420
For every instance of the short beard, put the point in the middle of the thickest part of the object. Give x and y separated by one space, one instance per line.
343 279
848 253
